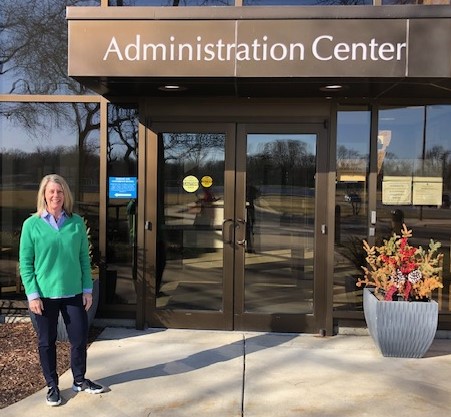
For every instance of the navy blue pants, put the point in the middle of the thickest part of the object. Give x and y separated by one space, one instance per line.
76 320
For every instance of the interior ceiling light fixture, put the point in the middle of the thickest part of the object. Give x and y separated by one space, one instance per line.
172 87
333 87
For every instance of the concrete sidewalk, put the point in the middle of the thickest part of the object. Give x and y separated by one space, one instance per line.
195 373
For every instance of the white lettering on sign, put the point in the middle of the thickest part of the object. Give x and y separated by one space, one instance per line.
113 47
356 51
323 48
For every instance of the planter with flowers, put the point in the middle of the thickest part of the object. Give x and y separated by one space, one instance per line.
399 280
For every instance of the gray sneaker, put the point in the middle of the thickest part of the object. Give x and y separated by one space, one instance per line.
53 397
87 386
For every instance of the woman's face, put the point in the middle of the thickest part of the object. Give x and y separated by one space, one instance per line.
54 197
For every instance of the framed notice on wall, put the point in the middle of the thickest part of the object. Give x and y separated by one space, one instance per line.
122 187
427 191
396 191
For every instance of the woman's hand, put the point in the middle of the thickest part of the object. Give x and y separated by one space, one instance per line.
87 300
36 306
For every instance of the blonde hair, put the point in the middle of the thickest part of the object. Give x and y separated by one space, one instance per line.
41 205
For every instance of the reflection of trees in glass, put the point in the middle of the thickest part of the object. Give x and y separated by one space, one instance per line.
25 169
122 161
283 161
398 167
387 2
287 156
33 46
420 147
196 154
306 2
350 160
123 129
33 53
194 149
34 61
343 2
436 161
174 3
346 154
22 171
43 121
433 163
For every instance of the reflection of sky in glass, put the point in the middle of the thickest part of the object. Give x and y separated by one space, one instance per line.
403 128
182 3
406 130
34 46
6 81
193 149
438 127
403 2
303 2
15 138
214 155
123 131
353 131
50 134
171 2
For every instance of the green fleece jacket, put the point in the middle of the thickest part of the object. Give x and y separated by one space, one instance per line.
54 263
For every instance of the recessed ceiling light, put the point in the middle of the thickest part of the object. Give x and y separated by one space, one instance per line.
333 87
171 87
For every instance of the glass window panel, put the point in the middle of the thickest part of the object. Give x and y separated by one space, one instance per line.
122 160
422 2
306 2
351 199
400 155
414 179
280 201
191 210
33 47
37 139
391 2
172 3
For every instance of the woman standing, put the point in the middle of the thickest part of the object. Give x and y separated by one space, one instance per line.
56 274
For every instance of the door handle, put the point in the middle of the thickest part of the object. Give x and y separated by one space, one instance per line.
226 231
241 224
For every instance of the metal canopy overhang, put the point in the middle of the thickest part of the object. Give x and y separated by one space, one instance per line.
302 87
368 88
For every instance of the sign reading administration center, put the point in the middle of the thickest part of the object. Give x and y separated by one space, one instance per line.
248 48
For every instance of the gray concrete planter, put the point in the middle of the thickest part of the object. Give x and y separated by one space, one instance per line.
403 329
62 332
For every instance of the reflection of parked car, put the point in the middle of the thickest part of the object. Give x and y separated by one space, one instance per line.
355 201
353 198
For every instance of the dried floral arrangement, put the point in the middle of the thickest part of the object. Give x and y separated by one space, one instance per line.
398 270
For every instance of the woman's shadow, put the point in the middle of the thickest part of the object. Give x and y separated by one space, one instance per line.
239 348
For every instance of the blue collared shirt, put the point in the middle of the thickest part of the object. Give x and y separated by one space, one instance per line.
56 224
48 218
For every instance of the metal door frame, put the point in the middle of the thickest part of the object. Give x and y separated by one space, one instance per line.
232 317
196 319
315 322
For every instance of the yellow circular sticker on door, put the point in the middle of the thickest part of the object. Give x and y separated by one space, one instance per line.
206 181
190 184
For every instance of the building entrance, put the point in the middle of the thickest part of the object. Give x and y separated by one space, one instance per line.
239 237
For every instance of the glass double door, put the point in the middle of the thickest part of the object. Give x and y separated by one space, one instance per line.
240 237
